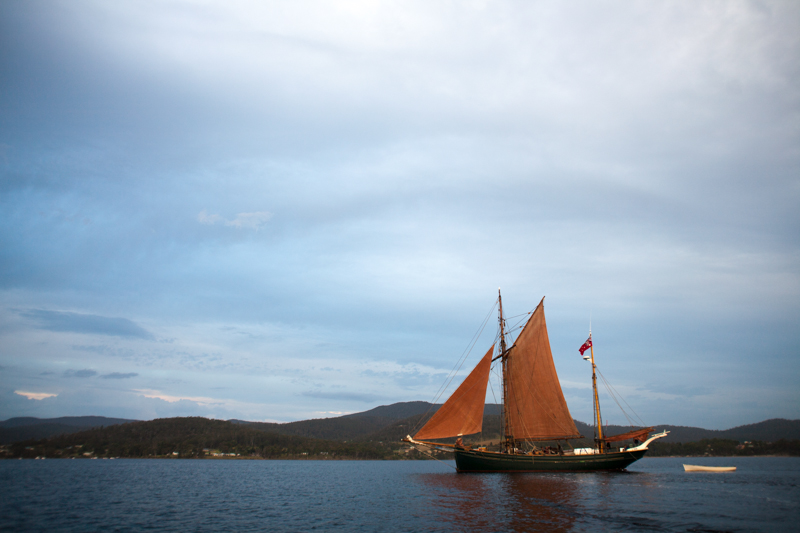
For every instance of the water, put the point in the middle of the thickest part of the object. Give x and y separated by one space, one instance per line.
392 496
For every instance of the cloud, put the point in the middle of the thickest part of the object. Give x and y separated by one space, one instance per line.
85 323
85 373
243 220
118 375
103 349
201 400
35 395
205 218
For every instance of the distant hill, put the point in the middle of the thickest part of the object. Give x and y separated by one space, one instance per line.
396 411
347 427
25 428
380 423
193 437
401 410
339 428
767 431
390 423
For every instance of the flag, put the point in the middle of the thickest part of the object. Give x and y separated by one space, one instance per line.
586 345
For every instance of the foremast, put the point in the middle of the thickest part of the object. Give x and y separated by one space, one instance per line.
508 434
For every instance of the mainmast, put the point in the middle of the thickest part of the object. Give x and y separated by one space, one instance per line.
508 434
598 420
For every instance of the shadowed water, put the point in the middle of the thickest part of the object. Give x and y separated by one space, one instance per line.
209 495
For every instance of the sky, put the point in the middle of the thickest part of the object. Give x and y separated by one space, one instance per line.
289 210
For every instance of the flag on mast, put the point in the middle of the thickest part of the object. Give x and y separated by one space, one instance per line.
586 345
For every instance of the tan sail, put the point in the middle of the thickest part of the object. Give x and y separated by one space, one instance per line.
638 434
462 413
536 406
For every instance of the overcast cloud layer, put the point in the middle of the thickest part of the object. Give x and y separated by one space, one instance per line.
286 210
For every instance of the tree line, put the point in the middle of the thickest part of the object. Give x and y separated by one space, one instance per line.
724 447
194 437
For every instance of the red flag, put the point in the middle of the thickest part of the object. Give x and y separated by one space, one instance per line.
586 345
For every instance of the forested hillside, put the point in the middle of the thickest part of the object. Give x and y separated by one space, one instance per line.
370 434
25 428
194 437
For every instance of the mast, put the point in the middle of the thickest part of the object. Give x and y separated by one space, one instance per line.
508 434
598 420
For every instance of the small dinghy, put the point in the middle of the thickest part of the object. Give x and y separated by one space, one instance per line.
696 468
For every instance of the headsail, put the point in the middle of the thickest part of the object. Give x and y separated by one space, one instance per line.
536 406
462 413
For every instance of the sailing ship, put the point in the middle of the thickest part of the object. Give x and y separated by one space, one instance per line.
533 411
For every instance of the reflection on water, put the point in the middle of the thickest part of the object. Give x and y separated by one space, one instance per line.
543 502
516 502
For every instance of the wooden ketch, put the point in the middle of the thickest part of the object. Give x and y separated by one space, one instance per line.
534 410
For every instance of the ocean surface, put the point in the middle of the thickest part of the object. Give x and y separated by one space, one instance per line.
238 495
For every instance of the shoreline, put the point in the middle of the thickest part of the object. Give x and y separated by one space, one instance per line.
252 458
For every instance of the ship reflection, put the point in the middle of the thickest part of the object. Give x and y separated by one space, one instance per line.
511 502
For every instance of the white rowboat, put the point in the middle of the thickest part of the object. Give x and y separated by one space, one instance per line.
696 468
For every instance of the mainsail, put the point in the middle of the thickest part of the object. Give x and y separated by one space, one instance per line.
536 409
462 413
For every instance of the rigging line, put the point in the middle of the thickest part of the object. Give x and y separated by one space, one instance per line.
523 314
494 397
435 459
451 376
517 324
529 313
512 329
610 393
614 395
641 422
610 388
464 356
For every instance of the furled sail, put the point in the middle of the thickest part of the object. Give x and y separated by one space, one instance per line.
462 413
536 408
638 434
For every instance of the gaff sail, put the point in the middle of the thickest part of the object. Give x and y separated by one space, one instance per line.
535 403
462 413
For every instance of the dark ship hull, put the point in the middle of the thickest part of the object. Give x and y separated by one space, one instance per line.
482 461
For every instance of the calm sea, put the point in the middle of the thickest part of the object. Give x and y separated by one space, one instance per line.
218 495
